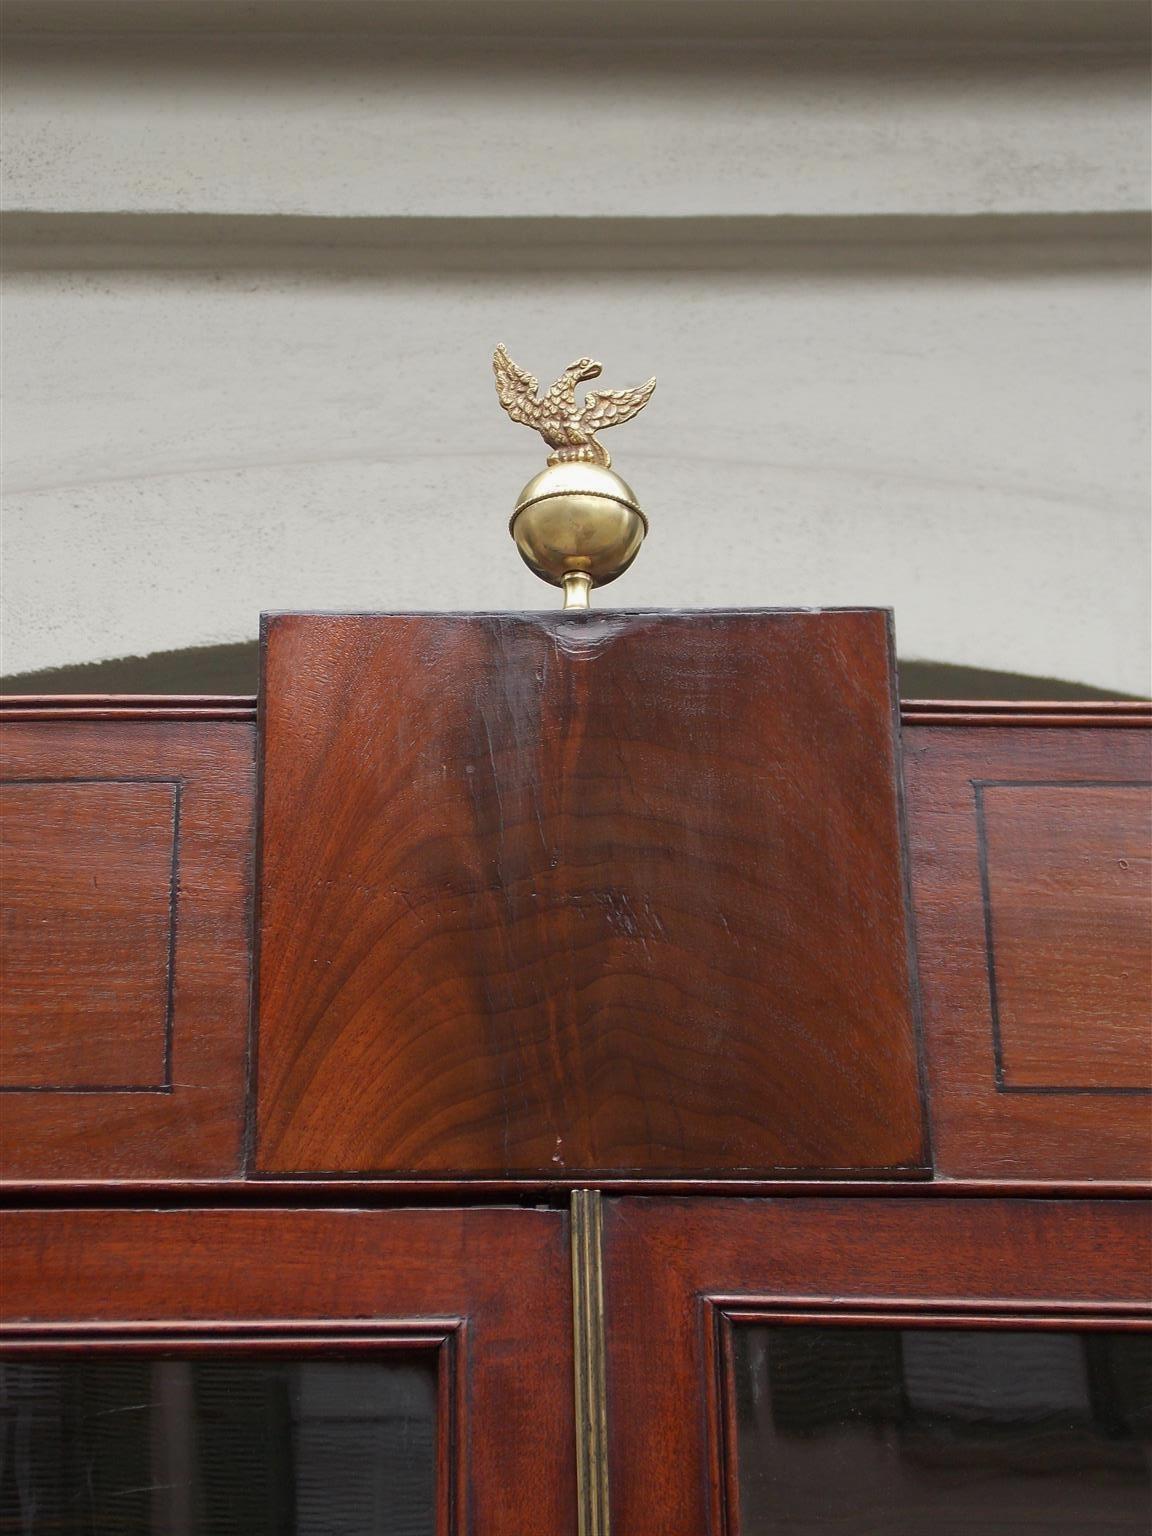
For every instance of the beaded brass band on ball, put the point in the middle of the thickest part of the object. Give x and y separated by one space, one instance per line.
639 511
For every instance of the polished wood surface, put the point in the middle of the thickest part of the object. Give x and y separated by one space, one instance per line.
125 902
550 895
1052 919
1030 878
677 1272
1068 908
485 995
86 933
488 1290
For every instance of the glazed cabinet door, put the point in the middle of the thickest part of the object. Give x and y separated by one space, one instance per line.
917 1367
286 1373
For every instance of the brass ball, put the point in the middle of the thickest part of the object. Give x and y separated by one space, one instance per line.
578 517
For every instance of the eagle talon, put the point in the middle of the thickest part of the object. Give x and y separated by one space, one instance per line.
587 453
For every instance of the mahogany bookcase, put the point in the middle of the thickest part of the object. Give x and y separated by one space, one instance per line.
544 1074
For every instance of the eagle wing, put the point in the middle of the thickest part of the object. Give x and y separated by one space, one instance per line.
517 390
609 407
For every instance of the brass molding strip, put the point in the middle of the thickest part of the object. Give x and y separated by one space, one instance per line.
588 1350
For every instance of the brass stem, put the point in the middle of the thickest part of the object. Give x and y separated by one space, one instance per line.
577 585
587 1238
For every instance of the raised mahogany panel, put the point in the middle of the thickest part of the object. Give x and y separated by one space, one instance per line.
1031 879
86 932
680 1275
125 906
1068 893
484 1295
557 895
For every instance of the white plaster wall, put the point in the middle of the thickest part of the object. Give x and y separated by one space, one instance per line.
888 372
491 127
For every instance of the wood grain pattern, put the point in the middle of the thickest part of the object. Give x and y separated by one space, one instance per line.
86 933
674 1268
87 989
980 1132
547 895
1068 909
495 1283
1066 924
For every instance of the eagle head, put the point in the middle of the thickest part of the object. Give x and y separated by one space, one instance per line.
584 368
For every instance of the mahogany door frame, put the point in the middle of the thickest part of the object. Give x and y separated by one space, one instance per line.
680 1275
442 1339
723 1315
484 1292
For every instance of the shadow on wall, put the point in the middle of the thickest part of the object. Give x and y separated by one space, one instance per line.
235 669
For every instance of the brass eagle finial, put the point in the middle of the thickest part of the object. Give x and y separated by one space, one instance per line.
576 523
568 429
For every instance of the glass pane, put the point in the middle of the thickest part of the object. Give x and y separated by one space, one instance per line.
217 1447
942 1432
